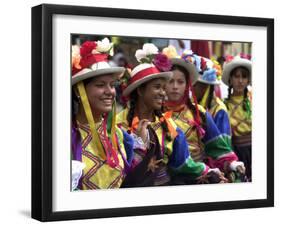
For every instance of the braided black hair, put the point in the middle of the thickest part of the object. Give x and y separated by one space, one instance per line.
245 99
191 106
164 125
131 112
228 96
210 97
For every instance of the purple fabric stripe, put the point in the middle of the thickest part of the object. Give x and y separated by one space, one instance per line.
76 145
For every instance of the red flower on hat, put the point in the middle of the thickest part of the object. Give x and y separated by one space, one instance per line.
87 48
228 58
86 53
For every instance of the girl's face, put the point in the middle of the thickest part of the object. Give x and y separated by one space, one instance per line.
239 80
101 93
153 93
175 87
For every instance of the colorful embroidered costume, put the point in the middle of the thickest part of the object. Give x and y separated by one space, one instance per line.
101 152
208 142
237 75
98 174
241 127
219 113
214 147
174 154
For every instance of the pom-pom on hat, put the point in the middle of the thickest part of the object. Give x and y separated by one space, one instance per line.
231 65
152 65
91 59
209 72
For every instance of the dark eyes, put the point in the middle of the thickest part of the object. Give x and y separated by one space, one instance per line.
100 85
239 76
178 81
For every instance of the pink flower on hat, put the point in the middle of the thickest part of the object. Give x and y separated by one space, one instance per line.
162 62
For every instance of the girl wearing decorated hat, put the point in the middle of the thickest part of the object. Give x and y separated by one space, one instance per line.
101 152
208 80
167 152
237 75
207 143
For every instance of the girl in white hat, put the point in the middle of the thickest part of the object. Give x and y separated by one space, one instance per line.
237 75
207 143
101 152
167 153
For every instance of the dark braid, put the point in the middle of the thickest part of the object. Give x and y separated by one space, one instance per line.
245 99
229 92
229 95
164 125
210 97
193 110
131 112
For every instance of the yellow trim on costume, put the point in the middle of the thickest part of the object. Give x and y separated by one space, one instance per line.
89 115
216 106
205 97
113 129
97 173
240 123
195 144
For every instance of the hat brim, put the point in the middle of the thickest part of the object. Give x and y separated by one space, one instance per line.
193 73
114 71
133 86
234 64
207 82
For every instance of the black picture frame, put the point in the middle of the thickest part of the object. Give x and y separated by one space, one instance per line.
42 106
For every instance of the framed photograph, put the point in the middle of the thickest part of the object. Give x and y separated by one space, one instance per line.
58 29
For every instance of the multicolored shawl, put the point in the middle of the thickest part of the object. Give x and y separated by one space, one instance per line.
214 147
98 174
219 113
175 152
241 124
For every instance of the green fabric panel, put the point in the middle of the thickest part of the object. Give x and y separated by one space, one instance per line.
218 147
191 167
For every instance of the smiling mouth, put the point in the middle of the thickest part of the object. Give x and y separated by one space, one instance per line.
107 101
159 100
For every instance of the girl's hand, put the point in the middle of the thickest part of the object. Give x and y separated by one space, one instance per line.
142 130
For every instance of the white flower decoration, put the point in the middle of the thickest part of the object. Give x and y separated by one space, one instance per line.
150 49
77 171
147 50
140 54
104 45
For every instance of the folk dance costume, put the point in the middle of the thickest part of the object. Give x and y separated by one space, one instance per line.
209 142
167 151
172 155
99 173
101 152
239 109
